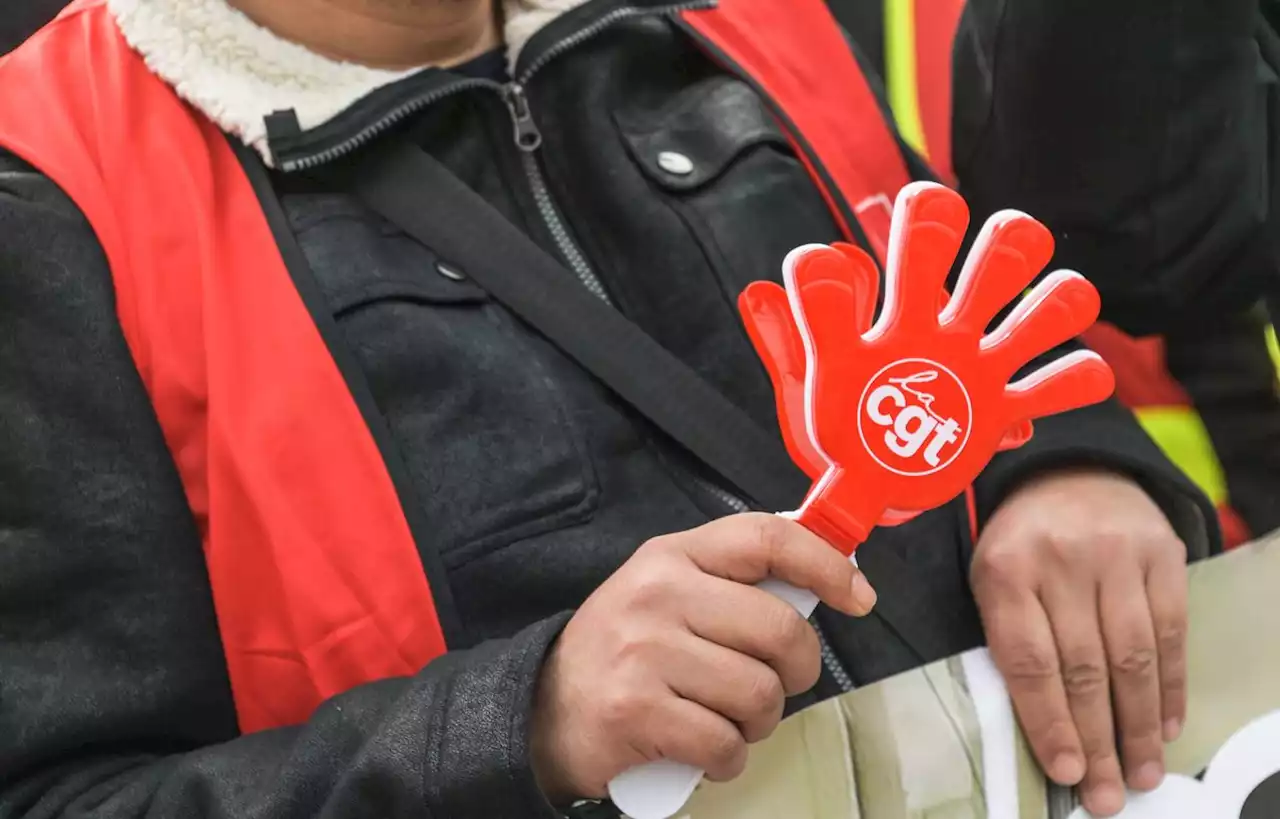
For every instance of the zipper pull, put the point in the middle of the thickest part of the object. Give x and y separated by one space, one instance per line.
528 137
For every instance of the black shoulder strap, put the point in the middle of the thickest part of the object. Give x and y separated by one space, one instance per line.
464 230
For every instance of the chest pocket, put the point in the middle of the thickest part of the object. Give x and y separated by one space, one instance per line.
718 156
493 451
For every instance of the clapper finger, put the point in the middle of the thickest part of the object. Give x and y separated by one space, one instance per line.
766 312
864 267
1078 379
1010 251
928 229
829 290
1056 310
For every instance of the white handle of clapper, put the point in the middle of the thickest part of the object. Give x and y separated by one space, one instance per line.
658 790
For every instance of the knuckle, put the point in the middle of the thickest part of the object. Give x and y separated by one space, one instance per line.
1136 662
766 533
1171 639
1069 548
657 546
784 630
1085 679
763 695
1103 760
621 710
650 585
633 650
1055 734
724 750
804 668
1029 663
1001 567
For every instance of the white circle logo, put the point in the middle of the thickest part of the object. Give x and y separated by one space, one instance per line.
914 417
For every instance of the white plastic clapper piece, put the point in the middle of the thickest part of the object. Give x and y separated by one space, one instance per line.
658 790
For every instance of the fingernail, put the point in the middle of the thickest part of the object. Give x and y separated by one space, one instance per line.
1104 800
1172 729
863 595
1148 777
1067 769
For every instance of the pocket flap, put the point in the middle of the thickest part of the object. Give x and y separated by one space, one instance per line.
692 141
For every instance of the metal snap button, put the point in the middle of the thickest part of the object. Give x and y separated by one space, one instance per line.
449 273
675 163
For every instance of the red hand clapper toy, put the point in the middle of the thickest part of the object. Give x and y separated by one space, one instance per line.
896 415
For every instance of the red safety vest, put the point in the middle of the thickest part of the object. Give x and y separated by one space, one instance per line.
918 36
317 583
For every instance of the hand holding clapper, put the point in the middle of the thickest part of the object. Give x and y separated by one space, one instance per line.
898 414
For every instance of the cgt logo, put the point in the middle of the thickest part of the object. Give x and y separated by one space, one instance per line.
914 417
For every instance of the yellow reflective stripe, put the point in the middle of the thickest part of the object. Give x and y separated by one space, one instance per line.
1273 347
900 66
1180 433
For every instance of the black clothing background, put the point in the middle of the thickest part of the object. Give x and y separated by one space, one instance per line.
20 18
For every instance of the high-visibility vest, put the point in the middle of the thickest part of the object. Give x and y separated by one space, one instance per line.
918 38
317 582
918 43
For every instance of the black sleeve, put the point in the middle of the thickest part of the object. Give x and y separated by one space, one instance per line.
1138 132
114 699
21 20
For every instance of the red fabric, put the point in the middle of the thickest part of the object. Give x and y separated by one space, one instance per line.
1235 532
797 54
1141 377
316 580
936 22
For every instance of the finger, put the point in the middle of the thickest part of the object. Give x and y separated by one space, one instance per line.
1056 310
1077 379
1167 593
772 330
929 223
752 622
868 285
1023 648
683 731
1010 251
1073 615
1130 642
829 290
735 686
748 548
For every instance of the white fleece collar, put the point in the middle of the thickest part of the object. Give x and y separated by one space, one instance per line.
237 72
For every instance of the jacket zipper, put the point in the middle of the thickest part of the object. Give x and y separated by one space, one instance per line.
406 109
528 140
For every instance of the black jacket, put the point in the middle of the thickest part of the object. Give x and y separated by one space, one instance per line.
1168 200
1163 120
538 483
19 18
